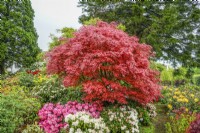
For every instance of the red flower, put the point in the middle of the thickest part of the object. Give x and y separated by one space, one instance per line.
33 72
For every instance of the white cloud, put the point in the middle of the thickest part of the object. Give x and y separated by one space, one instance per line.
54 14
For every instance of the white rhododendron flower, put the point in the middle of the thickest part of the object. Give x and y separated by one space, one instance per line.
83 121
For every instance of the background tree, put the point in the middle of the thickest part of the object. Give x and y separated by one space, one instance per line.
66 33
172 28
18 37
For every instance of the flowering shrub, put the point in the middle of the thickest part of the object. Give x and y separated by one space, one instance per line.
51 116
179 122
26 80
195 125
123 119
143 116
151 109
176 98
33 128
100 57
40 78
50 89
82 122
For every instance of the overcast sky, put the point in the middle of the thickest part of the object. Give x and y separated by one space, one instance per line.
54 14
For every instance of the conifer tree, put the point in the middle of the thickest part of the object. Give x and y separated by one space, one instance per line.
18 37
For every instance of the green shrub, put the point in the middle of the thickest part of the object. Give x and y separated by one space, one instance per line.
143 116
179 123
157 66
52 90
189 73
166 76
180 72
16 110
180 76
196 70
197 80
26 79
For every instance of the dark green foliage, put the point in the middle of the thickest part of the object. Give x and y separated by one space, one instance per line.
16 110
18 36
197 80
172 28
180 76
189 73
72 94
26 80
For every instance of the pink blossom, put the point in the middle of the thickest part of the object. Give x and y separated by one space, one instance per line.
51 116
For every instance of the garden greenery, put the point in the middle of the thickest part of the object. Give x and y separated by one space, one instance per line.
17 110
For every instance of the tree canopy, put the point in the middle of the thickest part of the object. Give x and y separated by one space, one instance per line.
18 36
171 28
111 65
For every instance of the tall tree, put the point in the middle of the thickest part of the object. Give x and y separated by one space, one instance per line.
18 37
172 28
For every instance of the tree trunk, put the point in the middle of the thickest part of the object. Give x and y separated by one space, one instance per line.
2 69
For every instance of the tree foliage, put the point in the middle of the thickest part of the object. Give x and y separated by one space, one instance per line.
111 65
66 33
171 28
18 36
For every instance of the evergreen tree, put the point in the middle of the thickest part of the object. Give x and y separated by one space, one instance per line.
172 28
18 37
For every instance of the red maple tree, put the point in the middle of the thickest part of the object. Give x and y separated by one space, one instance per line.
111 65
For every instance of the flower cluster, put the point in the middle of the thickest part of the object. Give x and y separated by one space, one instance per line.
33 72
181 97
82 122
180 121
195 125
40 78
123 119
51 116
33 128
151 109
73 107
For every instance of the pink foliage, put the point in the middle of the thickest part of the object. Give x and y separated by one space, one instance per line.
100 57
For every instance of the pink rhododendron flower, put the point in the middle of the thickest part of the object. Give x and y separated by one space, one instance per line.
52 115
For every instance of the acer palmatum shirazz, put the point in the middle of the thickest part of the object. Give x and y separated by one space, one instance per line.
111 65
